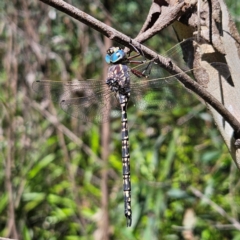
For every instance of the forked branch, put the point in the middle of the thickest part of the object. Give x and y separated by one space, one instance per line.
163 62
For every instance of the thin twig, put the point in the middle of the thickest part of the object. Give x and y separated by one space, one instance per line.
54 120
167 17
1 238
216 207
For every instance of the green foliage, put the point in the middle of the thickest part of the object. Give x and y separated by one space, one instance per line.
234 9
53 181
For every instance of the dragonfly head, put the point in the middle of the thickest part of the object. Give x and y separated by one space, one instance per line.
115 55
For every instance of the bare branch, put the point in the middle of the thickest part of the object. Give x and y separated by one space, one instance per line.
1 238
159 17
216 207
54 120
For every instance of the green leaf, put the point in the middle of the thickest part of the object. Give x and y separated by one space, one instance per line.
43 163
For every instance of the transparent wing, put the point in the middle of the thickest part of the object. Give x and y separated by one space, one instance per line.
145 91
87 100
165 92
148 80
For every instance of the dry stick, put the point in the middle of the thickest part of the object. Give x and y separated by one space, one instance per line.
103 224
12 73
167 17
53 120
1 238
216 207
163 62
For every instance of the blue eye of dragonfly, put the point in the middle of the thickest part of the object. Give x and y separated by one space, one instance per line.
114 55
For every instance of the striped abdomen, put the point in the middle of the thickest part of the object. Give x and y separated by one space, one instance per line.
118 81
123 99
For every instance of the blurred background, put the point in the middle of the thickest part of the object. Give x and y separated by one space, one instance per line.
57 182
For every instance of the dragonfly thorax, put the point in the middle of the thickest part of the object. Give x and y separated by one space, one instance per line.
118 79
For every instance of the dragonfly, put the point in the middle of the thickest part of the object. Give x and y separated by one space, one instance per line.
87 99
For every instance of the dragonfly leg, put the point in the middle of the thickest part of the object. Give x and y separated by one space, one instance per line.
139 52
